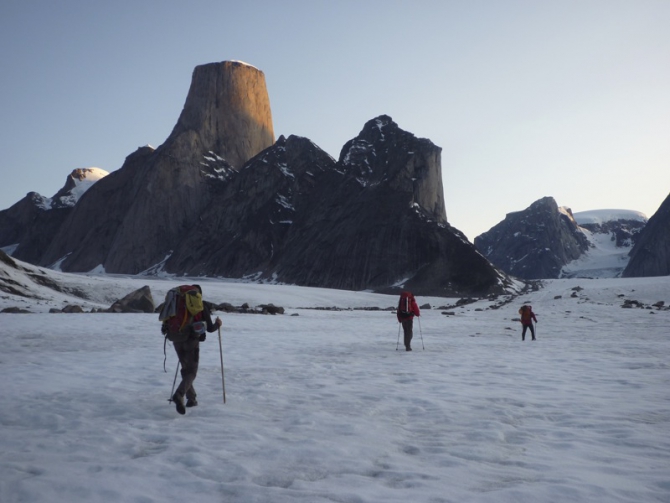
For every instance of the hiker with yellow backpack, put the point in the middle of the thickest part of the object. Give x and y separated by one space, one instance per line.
527 317
186 319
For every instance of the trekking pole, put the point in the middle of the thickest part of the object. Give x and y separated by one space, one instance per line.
398 343
174 382
421 333
223 381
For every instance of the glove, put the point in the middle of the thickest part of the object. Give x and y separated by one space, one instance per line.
203 337
164 329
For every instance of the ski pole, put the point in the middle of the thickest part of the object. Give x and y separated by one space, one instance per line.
398 343
223 381
174 382
421 332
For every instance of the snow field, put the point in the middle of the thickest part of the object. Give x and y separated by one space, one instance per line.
321 407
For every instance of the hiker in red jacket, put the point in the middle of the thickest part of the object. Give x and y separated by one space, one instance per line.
407 309
527 317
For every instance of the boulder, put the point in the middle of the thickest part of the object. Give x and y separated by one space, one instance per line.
139 301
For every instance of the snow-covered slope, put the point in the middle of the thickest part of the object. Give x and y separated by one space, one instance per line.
610 234
320 406
77 183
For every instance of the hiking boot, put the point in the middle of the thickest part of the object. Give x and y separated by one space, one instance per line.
179 403
408 349
191 402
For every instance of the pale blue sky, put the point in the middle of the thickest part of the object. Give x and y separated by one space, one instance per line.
527 99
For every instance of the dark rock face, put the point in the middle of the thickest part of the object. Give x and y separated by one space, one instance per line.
379 220
373 219
651 254
244 228
534 243
29 226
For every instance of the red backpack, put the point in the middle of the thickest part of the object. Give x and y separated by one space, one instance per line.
526 313
181 313
405 304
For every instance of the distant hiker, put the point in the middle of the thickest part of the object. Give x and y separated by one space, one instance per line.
407 309
185 318
527 317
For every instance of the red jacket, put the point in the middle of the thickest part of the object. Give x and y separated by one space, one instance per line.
410 304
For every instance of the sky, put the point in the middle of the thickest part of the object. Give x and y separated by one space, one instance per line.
527 99
321 407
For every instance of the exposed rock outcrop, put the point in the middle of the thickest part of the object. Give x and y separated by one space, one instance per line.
534 243
227 114
651 254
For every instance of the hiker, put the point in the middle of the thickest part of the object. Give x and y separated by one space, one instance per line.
407 309
188 351
527 317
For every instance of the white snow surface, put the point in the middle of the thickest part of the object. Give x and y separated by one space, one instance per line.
602 260
81 186
321 407
601 216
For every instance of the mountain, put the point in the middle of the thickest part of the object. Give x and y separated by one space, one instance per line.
546 241
375 219
145 208
651 254
27 227
534 243
221 198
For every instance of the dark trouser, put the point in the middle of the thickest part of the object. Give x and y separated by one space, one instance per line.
523 332
407 332
189 354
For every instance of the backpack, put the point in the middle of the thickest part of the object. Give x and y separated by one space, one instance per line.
405 304
182 313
